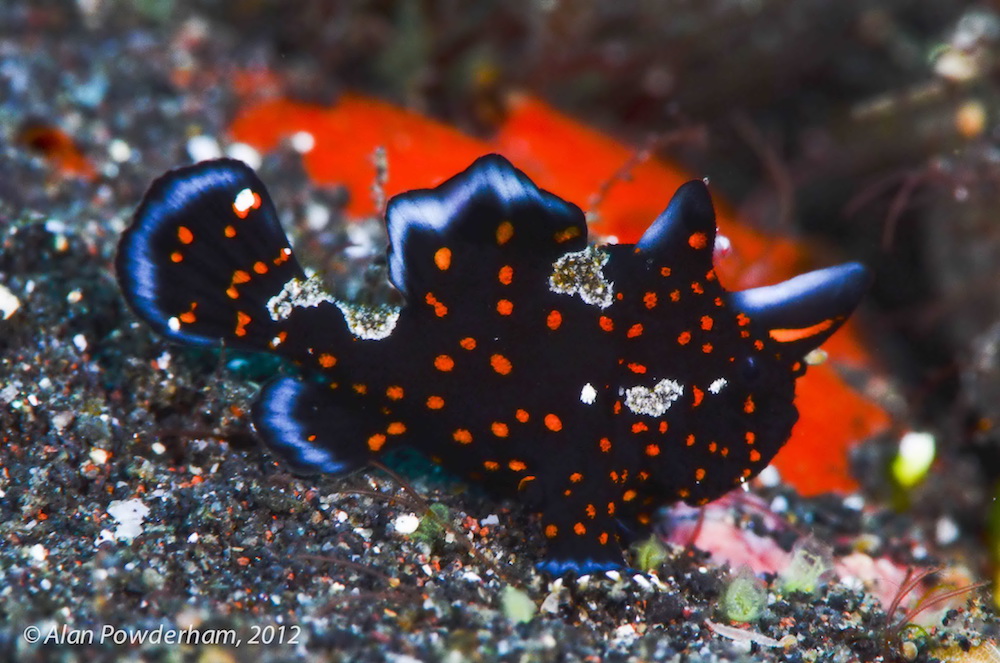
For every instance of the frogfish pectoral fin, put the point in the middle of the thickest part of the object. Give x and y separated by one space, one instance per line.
314 429
804 311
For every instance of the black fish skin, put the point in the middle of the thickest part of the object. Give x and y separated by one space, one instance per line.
595 383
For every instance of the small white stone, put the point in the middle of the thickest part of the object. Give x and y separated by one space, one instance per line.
624 635
119 150
717 385
129 514
9 303
38 552
302 142
203 148
174 324
61 420
854 502
80 341
99 456
246 154
916 453
406 523
957 66
946 531
769 476
490 520
55 226
588 394
642 581
550 604
317 216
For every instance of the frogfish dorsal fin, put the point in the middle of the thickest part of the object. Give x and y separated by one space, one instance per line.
490 205
683 236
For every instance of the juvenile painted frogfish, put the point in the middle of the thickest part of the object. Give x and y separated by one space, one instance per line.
594 383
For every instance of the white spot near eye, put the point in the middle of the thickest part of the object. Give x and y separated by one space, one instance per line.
244 201
588 394
717 386
174 324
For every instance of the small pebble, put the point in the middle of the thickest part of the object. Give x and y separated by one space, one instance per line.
246 154
129 514
946 531
406 523
202 148
854 502
302 142
119 150
9 303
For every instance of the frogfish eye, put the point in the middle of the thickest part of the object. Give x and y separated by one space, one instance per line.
751 369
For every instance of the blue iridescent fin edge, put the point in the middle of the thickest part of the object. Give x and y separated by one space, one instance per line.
197 196
314 428
557 568
490 177
277 421
824 297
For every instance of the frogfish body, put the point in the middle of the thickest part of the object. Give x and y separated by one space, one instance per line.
595 383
